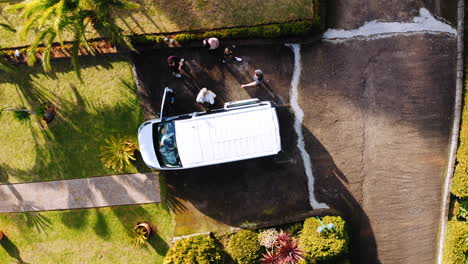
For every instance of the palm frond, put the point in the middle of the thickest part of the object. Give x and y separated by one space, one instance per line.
47 52
7 27
6 66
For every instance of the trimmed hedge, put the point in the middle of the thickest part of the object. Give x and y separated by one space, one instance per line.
201 249
456 244
292 29
326 246
244 247
459 185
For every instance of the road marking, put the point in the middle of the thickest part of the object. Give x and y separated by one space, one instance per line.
425 23
298 117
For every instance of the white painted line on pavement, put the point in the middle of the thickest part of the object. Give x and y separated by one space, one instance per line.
425 23
299 116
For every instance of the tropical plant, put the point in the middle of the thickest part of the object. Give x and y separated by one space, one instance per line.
117 152
270 257
20 113
4 64
140 236
289 252
59 20
268 238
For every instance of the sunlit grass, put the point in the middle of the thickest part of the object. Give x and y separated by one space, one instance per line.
85 236
88 112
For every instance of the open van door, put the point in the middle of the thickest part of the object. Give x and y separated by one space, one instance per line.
167 104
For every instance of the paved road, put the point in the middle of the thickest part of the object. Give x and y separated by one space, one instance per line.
80 193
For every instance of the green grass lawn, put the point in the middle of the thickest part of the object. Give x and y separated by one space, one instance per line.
85 236
105 104
177 15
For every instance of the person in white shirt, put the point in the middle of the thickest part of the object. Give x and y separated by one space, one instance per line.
205 96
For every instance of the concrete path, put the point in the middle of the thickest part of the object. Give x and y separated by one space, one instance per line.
80 193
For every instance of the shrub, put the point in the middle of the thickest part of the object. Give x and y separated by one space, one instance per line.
459 185
456 243
325 246
268 237
183 38
244 247
117 152
201 249
21 114
271 31
462 209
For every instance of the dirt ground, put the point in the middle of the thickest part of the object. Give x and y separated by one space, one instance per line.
377 126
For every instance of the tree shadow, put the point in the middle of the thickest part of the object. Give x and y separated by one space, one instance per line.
158 244
11 249
100 226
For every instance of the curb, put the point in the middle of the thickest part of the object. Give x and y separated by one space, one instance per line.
455 133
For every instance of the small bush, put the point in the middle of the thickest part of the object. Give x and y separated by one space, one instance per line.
268 237
200 249
459 185
21 116
462 209
244 247
456 243
326 246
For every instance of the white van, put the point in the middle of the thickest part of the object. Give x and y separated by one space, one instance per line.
241 130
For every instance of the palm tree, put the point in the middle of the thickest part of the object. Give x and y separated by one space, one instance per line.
4 64
57 20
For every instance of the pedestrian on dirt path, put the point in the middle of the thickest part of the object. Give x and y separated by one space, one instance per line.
258 79
175 64
228 55
206 97
211 43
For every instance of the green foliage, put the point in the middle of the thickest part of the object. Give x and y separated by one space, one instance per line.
244 247
147 39
462 208
272 31
459 185
326 246
298 28
295 229
183 38
117 152
140 236
456 243
21 116
51 21
201 249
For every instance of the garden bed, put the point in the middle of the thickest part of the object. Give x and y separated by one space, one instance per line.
316 240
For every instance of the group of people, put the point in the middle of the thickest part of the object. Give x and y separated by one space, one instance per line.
205 96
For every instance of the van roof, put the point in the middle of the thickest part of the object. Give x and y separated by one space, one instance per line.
228 136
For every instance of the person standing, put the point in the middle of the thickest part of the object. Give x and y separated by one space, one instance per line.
206 96
211 43
258 79
175 64
228 55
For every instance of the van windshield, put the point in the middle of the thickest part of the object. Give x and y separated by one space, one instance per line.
165 144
